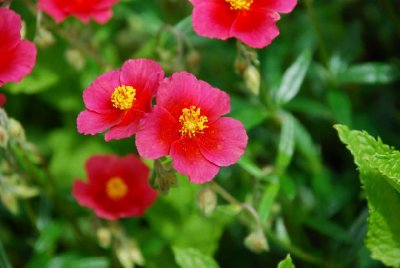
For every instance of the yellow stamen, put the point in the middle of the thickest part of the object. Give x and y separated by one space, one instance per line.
116 188
192 122
123 97
240 4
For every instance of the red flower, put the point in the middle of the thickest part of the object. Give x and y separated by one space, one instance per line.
251 21
119 99
98 10
117 187
17 57
186 123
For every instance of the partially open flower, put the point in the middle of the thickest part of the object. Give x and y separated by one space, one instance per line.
118 100
17 57
187 124
117 187
251 21
98 10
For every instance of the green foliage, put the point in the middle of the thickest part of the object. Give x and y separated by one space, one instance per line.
383 237
286 263
192 258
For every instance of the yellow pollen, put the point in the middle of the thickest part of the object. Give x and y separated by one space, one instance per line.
192 122
123 97
240 4
116 188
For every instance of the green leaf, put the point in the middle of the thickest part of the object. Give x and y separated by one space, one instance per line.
39 80
389 166
267 200
249 115
286 263
340 106
192 258
48 238
293 78
370 73
4 263
383 237
286 142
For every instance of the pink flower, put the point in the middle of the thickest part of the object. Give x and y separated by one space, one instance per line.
118 100
17 57
117 187
251 21
187 124
98 10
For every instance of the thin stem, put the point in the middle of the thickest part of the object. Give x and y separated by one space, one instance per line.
323 51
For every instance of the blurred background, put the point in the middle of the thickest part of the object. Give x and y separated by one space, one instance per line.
342 61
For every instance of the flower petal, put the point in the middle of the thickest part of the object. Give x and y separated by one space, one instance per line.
97 97
183 90
189 161
127 127
18 62
158 132
212 19
10 28
81 192
223 142
54 9
256 28
89 122
281 6
144 75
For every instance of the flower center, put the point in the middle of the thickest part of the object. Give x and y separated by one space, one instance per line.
116 188
240 4
192 122
123 97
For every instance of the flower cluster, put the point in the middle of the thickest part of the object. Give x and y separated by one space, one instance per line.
98 10
17 57
187 122
117 187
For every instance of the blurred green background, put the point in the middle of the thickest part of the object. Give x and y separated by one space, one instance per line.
334 62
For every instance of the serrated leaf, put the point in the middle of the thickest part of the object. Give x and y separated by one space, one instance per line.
293 78
370 73
286 142
192 258
389 166
286 263
383 237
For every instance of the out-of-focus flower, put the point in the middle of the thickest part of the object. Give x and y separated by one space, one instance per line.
251 21
98 10
187 124
117 187
118 100
17 57
3 99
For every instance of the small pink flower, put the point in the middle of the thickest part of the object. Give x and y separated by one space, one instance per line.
187 124
118 100
117 187
251 21
17 57
98 10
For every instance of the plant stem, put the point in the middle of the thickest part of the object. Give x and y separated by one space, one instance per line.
323 51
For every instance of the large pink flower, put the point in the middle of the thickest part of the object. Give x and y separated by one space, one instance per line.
98 10
187 124
17 57
117 187
251 21
118 100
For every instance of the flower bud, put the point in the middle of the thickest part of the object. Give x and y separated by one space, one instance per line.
165 177
193 60
15 130
104 237
256 242
3 99
129 254
44 38
252 79
207 200
3 137
75 58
